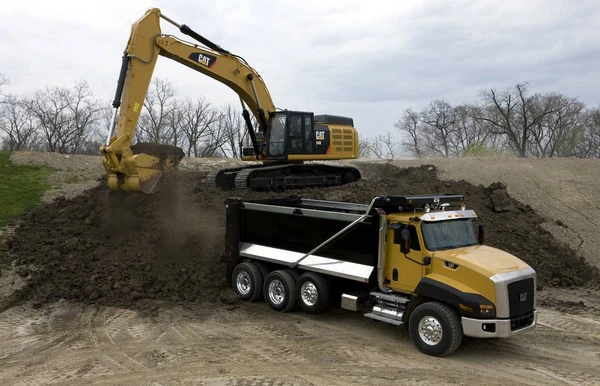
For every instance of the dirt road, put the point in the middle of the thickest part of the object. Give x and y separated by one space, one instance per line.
71 343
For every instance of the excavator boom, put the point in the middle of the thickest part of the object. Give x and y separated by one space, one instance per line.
141 172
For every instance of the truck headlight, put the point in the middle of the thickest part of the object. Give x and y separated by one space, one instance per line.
487 310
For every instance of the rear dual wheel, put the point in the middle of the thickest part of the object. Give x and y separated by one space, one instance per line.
280 290
247 281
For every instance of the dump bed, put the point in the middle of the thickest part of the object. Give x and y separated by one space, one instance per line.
283 231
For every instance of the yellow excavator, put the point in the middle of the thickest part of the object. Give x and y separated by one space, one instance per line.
283 141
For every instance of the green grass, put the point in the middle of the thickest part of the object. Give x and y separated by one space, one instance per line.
21 188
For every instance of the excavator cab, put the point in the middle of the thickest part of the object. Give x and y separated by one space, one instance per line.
291 132
302 136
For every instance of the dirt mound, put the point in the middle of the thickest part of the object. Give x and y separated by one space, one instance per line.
116 248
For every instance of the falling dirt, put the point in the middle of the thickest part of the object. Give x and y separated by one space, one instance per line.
117 249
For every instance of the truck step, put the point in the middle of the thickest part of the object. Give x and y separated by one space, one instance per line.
384 319
391 298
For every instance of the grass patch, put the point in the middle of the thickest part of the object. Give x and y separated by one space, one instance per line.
21 187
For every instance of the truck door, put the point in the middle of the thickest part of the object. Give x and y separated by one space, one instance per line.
403 272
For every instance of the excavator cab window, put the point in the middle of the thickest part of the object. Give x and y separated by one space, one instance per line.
300 134
277 135
295 134
309 136
291 132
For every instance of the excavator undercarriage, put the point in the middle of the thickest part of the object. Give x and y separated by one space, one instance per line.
281 176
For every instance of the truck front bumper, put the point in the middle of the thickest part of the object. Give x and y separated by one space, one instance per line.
498 328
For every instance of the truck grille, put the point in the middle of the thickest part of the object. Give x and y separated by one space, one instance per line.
521 322
520 297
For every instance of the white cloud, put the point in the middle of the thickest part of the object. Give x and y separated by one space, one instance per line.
369 60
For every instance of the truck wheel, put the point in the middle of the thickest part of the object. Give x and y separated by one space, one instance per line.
294 273
264 270
313 292
435 329
247 281
280 291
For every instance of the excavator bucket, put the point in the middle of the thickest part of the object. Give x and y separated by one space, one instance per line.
144 169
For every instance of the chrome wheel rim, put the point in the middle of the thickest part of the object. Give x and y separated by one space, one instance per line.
309 293
276 292
430 330
243 283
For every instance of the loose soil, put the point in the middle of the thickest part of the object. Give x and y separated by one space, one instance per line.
129 267
115 248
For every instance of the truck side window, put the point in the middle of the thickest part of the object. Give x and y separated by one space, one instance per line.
414 238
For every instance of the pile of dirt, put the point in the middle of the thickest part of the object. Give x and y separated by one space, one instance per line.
115 248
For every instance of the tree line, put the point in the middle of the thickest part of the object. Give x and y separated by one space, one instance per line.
74 121
509 122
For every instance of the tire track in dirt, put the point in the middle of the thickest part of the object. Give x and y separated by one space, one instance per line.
579 326
254 345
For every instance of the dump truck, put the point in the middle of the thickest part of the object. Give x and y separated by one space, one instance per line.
412 260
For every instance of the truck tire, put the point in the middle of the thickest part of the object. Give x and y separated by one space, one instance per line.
247 281
264 270
279 291
313 292
294 273
435 329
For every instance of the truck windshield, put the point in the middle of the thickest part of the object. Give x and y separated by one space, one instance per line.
439 235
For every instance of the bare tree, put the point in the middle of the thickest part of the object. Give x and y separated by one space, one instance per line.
64 117
471 131
198 119
50 109
589 146
410 124
384 146
159 103
440 131
364 147
515 115
558 133
17 124
234 131
3 80
86 114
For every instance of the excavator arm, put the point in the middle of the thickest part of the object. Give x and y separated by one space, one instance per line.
142 172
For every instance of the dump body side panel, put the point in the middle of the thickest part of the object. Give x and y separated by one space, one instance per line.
295 227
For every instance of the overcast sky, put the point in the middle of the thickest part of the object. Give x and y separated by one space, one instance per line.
366 59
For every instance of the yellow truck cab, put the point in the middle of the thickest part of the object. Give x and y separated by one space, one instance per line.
417 261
